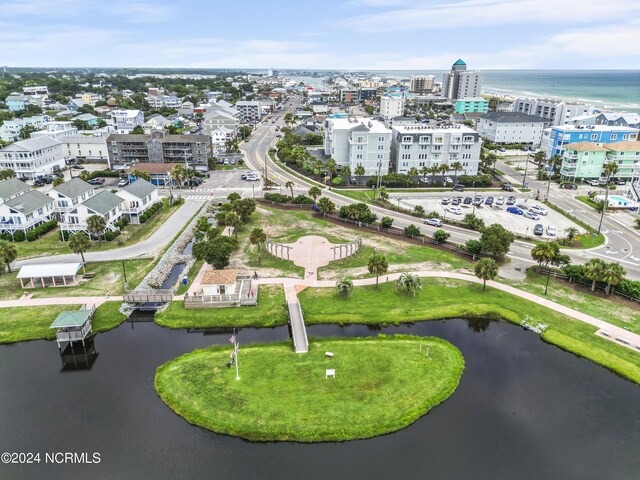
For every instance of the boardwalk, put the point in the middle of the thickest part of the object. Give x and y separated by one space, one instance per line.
298 328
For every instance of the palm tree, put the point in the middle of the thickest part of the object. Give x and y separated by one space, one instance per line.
382 193
434 171
96 225
258 237
456 167
314 192
331 167
8 253
233 220
345 172
443 169
610 169
178 173
413 172
594 271
80 243
344 287
424 171
326 206
613 275
409 281
359 171
486 269
377 265
572 233
290 186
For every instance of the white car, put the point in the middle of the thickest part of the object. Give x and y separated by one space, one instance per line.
500 201
552 231
123 183
455 210
540 210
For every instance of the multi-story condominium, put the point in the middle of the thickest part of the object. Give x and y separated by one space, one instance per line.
69 194
418 146
104 204
460 83
253 110
221 119
89 148
586 160
618 119
367 93
138 197
10 129
421 84
391 107
355 141
555 139
16 101
512 128
159 101
22 208
126 120
159 147
57 130
471 105
559 112
350 95
38 90
33 157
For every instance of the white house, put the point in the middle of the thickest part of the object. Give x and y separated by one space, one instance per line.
219 282
215 119
22 209
69 194
33 157
104 204
391 107
355 141
512 128
138 197
126 120
155 122
82 147
419 145
57 130
10 129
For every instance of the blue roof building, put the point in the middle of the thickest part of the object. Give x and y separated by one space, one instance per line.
555 139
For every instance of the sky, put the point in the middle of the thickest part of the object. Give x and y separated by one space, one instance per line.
325 34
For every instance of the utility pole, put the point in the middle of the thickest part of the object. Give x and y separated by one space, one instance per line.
124 271
526 165
549 170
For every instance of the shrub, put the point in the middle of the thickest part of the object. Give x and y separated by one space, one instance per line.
386 222
433 214
473 222
19 236
359 212
418 211
109 235
337 181
473 247
32 235
440 236
412 231
480 180
575 273
276 197
303 200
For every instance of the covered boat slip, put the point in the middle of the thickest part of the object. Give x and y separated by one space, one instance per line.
73 326
50 275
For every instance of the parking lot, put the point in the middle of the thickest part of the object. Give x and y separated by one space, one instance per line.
490 214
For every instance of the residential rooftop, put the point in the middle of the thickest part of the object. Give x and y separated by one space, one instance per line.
73 188
586 147
29 202
12 187
140 188
103 202
513 117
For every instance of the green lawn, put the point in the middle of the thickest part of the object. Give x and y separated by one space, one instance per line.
20 324
381 385
108 276
359 195
443 299
270 312
197 265
50 244
587 201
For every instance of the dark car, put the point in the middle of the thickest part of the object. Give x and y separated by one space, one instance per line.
511 200
59 174
515 210
38 183
467 200
489 201
78 167
507 188
456 201
458 188
47 179
569 186
538 229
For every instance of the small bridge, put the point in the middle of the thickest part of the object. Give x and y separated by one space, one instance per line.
298 329
148 296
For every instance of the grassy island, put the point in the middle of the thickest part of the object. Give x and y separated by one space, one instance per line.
381 385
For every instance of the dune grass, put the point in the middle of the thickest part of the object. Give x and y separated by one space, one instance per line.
381 385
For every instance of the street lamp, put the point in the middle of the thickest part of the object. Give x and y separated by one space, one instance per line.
474 197
526 165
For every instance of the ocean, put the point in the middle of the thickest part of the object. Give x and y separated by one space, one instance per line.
605 89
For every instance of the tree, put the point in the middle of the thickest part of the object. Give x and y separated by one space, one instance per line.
413 173
216 251
440 236
613 274
178 173
610 169
411 230
486 269
474 247
145 175
290 186
496 240
8 254
80 243
96 225
137 130
26 131
572 233
258 237
232 197
233 220
57 181
548 254
473 222
345 172
344 287
359 171
456 167
594 271
7 173
331 167
410 282
377 265
418 210
314 192
326 206
386 222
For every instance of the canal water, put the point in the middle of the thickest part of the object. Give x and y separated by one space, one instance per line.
524 410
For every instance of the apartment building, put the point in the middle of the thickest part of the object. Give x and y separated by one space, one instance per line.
159 147
559 112
168 101
418 146
555 139
104 204
471 105
618 119
391 107
421 84
16 102
89 148
57 130
36 90
253 110
33 157
586 160
355 141
126 120
460 83
10 129
512 128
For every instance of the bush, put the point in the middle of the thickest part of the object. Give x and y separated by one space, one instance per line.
440 236
412 231
575 273
629 287
337 181
480 180
473 247
19 236
104 173
149 212
303 200
109 235
473 222
393 180
433 214
276 197
386 222
359 212
32 235
418 211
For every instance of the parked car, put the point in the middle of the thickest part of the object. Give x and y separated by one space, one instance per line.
500 201
455 210
434 222
253 178
467 200
539 209
59 174
478 200
569 186
95 181
38 183
507 187
522 207
531 215
622 182
458 188
515 210
511 200
552 231
78 167
489 201
445 201
456 201
538 229
123 182
594 183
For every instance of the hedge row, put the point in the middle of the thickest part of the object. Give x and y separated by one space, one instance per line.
576 273
276 197
150 212
32 234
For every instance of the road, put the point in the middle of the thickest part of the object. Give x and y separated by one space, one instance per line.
257 158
